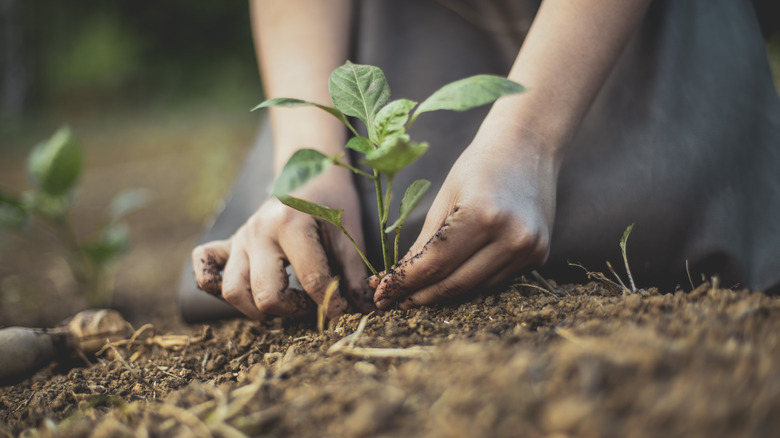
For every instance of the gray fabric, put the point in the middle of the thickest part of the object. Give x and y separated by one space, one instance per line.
683 139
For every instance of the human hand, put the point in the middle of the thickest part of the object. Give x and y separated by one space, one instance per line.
492 217
248 270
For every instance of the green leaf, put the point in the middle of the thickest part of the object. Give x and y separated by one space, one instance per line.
303 166
330 215
359 91
412 197
395 155
292 102
469 93
391 120
110 243
126 202
12 212
55 165
45 204
625 238
360 144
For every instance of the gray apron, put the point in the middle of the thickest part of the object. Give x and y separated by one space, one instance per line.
683 140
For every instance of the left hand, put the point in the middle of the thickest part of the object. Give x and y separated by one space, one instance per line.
492 217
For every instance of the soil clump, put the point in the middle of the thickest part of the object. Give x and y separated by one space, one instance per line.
590 362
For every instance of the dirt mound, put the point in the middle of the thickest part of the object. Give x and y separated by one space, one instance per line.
591 363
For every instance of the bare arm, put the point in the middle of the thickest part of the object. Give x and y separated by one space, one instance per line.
494 213
570 49
299 43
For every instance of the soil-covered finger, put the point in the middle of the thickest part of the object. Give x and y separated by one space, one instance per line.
444 252
477 271
208 262
270 289
303 248
236 287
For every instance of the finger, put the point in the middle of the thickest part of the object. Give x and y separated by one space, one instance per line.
444 252
236 288
373 281
208 260
508 272
478 270
304 250
269 282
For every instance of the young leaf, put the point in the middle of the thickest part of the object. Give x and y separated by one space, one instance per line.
108 244
125 202
291 102
469 93
12 212
360 144
55 165
390 120
395 155
412 197
359 91
625 237
42 203
303 165
625 255
330 215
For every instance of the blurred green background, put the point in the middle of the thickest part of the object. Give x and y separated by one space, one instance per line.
158 94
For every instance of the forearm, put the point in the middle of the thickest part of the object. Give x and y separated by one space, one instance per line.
568 54
299 43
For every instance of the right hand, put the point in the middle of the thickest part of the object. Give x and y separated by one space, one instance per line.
248 269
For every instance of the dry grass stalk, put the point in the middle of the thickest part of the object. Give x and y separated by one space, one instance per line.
322 311
129 367
168 342
540 289
219 415
626 290
597 276
544 282
346 345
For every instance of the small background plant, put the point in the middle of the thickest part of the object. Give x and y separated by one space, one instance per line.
361 91
43 212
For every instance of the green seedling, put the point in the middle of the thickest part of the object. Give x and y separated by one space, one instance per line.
623 241
54 168
361 91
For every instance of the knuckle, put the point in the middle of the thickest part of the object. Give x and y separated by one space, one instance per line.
535 245
198 252
491 215
231 294
287 215
254 227
431 271
449 288
266 303
314 282
521 241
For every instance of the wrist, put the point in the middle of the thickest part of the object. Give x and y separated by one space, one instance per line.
305 128
513 132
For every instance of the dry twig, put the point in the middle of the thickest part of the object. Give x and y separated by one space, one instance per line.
346 345
546 283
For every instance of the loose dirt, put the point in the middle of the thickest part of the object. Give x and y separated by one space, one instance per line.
521 362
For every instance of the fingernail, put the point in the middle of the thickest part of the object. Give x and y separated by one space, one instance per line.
383 303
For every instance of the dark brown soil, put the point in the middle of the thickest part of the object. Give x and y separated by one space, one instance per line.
592 363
